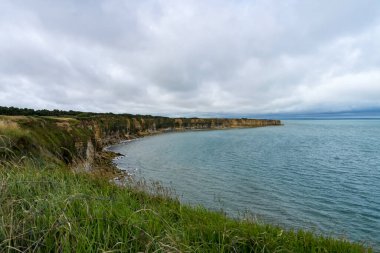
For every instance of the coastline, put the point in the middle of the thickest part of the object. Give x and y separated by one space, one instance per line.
79 142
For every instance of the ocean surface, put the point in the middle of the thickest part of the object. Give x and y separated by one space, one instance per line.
319 175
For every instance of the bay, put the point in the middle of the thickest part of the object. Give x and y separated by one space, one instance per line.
319 175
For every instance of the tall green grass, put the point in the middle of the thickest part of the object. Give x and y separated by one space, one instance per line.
55 210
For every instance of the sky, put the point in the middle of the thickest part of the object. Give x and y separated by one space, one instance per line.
189 57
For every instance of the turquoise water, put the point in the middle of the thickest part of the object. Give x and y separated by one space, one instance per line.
323 176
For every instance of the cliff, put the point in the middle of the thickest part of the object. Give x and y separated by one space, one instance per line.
80 141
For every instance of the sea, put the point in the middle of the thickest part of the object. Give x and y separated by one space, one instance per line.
318 175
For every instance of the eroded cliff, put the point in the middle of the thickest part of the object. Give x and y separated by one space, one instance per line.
80 141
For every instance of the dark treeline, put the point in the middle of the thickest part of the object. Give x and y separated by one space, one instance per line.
14 111
31 112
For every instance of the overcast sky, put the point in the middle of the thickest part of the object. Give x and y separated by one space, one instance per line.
187 57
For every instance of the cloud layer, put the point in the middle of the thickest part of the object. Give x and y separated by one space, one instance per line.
180 57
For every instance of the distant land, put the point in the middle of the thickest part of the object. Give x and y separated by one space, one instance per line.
354 114
362 114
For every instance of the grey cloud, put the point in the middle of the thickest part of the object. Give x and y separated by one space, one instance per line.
169 57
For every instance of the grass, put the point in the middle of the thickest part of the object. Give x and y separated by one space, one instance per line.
52 140
10 129
55 210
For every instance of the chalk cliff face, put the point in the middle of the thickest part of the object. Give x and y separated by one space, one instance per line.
109 130
80 140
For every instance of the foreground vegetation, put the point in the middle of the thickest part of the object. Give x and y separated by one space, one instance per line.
50 209
48 205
